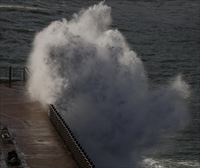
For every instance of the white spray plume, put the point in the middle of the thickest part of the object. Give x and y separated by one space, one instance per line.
99 85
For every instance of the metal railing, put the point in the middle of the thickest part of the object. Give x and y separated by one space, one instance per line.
9 74
73 145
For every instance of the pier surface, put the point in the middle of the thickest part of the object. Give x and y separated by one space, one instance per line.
35 136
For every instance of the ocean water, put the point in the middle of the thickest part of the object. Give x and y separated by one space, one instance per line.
165 35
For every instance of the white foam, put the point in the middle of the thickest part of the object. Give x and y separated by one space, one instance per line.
165 163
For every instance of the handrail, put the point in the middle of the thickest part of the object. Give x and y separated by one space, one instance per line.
13 73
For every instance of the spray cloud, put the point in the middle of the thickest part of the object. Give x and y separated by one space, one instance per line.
99 85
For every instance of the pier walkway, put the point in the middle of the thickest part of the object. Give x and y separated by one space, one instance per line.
36 138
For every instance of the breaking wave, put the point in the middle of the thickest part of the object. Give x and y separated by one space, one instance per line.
168 163
100 86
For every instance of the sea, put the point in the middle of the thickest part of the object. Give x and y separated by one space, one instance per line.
164 33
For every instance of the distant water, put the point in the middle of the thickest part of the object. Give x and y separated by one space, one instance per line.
165 34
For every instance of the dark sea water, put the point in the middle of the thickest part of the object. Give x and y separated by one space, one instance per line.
164 33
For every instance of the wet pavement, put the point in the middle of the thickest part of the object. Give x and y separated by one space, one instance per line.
36 139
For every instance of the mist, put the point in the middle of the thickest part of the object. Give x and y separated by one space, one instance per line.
100 86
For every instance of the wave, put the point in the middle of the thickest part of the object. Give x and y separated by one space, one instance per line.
21 8
101 88
169 163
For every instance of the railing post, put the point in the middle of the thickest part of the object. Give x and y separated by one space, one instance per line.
10 75
24 74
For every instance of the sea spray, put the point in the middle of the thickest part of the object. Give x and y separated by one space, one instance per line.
100 87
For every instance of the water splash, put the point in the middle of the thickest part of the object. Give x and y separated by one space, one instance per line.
99 84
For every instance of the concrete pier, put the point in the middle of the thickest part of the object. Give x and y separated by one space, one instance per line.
35 136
